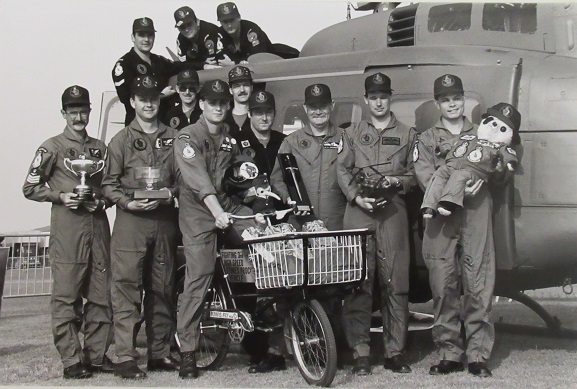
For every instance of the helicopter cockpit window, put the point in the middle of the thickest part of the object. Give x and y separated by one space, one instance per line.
343 115
510 17
450 17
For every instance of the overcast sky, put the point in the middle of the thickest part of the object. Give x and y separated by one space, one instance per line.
48 45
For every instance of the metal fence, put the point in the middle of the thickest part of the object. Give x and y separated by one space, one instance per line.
28 271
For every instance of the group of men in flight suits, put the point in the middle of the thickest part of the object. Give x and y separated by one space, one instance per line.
200 138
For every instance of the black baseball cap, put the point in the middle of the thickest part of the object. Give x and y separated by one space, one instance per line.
187 76
261 99
506 113
318 93
215 90
145 86
378 82
75 95
143 25
184 15
239 73
447 84
227 11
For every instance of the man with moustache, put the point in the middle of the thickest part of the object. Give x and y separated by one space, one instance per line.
138 62
203 152
196 41
79 241
187 111
386 144
238 38
144 237
240 81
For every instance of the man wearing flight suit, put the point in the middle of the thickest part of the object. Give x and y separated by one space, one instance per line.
196 41
315 148
457 248
238 38
187 111
144 237
79 240
240 81
386 144
138 62
203 152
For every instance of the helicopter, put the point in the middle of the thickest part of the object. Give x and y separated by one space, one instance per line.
524 54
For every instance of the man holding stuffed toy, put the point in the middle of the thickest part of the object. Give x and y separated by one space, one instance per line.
458 248
385 143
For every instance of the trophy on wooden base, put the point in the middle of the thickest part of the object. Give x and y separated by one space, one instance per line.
149 176
84 168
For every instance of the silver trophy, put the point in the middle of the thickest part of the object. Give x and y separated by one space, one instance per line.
84 168
149 176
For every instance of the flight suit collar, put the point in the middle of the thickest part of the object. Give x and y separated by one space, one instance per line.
330 133
467 127
75 136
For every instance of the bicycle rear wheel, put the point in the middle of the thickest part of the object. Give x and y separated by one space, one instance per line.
313 343
214 339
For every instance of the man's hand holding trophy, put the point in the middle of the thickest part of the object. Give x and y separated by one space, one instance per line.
149 197
82 193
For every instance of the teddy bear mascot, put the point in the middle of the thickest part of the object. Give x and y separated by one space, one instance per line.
470 158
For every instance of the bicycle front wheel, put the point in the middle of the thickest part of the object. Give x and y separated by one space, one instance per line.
313 343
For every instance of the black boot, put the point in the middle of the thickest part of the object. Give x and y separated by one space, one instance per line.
188 367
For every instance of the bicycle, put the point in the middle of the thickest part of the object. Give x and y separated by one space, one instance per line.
296 270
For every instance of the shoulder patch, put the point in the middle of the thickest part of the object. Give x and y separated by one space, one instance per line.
511 151
184 136
118 70
416 152
467 137
188 152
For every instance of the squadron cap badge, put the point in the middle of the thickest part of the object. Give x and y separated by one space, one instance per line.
506 111
448 81
226 9
147 82
316 90
74 92
261 97
217 87
144 22
378 79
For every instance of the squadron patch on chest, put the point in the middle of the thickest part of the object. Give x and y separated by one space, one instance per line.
72 152
174 122
249 152
139 144
366 139
476 155
305 143
140 68
245 143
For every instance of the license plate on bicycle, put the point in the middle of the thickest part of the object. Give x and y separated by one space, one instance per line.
225 315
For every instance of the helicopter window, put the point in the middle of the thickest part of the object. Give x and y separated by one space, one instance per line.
450 17
509 17
343 115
